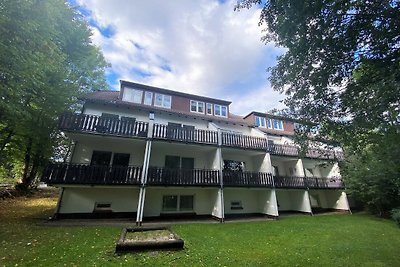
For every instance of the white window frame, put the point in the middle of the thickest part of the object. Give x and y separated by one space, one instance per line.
269 124
163 101
220 110
148 96
132 95
198 104
279 122
178 204
211 108
262 122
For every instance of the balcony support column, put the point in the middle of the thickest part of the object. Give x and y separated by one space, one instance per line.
143 180
221 178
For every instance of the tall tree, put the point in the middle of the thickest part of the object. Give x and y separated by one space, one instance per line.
46 60
341 69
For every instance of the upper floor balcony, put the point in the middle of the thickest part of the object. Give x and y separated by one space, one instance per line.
185 134
308 182
129 127
126 127
247 179
182 177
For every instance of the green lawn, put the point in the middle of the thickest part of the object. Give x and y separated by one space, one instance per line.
333 240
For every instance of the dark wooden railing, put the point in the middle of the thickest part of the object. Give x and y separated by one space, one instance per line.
283 150
318 182
182 177
247 179
166 132
308 182
103 125
243 141
61 173
289 182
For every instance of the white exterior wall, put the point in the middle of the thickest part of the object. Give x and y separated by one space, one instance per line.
240 156
204 199
253 201
83 199
86 145
98 109
218 209
321 168
284 167
293 200
329 199
203 158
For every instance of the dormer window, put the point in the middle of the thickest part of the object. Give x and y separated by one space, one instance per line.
132 95
196 106
148 98
163 101
260 122
278 124
221 111
209 109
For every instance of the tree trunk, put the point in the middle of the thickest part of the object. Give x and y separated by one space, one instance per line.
27 161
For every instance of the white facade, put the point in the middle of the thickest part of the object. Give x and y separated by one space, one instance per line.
200 182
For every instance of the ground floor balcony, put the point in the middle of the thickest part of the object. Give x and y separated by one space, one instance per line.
61 173
247 179
182 177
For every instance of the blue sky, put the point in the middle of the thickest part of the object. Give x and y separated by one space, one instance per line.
200 47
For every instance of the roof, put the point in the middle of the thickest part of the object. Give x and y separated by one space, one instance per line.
171 92
112 97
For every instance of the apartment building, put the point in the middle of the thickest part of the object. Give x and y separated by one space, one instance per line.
145 152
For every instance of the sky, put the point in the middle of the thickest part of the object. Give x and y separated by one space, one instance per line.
200 47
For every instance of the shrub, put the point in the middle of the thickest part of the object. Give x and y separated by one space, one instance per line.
396 216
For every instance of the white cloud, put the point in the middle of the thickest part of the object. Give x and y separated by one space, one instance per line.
209 49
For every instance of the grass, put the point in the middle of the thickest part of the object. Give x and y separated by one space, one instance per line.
334 240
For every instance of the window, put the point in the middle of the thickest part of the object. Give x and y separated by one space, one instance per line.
236 205
163 101
177 203
121 159
170 203
269 123
209 109
197 106
176 162
101 158
260 121
148 98
278 124
132 95
220 110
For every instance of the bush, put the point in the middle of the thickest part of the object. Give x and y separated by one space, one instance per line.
396 216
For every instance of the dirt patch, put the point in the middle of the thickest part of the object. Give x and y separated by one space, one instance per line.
155 235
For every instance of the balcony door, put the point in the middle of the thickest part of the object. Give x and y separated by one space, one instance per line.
176 162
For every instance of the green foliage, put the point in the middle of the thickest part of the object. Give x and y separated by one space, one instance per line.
341 72
396 216
337 240
46 61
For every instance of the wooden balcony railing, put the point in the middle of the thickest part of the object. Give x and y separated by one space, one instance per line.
185 134
247 179
289 182
318 182
243 141
103 125
283 150
308 182
62 173
182 177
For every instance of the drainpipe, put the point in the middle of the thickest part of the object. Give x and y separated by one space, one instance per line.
143 179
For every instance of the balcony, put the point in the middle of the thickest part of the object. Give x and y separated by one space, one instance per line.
324 183
283 150
185 135
243 141
182 177
289 182
247 179
62 173
126 127
308 182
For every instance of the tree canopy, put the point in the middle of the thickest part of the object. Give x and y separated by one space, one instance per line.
46 60
341 71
